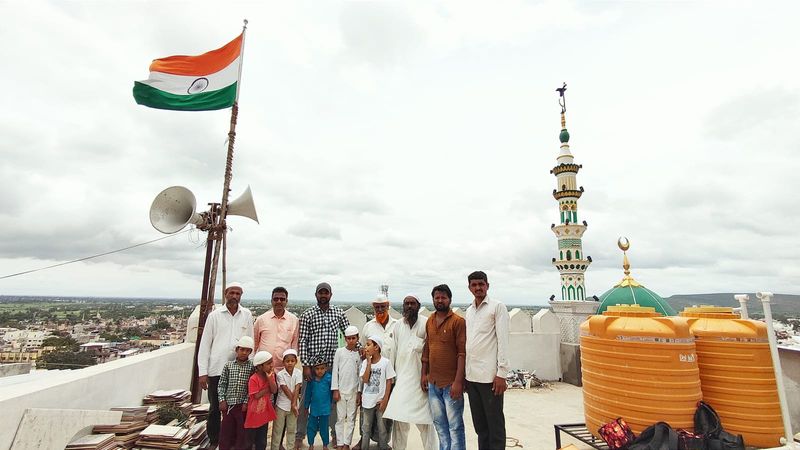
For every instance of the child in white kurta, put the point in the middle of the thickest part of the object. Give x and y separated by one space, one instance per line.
346 363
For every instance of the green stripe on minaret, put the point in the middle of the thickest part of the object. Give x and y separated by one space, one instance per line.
204 101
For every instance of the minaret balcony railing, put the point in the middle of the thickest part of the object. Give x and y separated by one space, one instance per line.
561 168
572 230
576 265
564 193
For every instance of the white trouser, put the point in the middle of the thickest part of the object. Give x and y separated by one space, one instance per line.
400 436
346 418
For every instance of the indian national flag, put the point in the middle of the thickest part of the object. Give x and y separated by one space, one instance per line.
193 83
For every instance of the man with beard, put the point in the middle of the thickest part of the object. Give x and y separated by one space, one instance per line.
319 339
409 403
277 329
223 328
380 326
487 363
442 376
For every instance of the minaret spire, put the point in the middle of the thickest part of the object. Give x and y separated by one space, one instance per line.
571 262
562 100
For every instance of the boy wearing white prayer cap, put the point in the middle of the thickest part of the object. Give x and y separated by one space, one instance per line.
344 385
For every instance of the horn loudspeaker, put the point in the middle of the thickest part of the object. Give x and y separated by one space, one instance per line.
243 206
173 209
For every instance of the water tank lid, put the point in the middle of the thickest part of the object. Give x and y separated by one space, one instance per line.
709 312
631 311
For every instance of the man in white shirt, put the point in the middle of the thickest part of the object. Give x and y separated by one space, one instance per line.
487 363
223 328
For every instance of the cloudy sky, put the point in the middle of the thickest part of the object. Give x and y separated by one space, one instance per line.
407 143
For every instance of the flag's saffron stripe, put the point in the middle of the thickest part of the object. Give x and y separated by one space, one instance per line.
182 84
204 101
204 64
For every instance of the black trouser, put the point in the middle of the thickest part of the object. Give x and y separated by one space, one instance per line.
212 427
259 436
487 416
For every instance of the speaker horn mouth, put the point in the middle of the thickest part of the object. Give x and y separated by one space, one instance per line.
173 209
243 206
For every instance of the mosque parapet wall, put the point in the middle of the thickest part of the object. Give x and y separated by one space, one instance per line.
534 342
123 382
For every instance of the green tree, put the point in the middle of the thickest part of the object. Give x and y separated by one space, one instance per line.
66 343
66 360
162 324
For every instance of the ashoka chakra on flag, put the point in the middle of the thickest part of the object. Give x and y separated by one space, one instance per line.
193 83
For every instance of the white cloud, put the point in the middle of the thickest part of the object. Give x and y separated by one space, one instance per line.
407 143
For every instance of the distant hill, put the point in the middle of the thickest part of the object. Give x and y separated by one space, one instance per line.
781 304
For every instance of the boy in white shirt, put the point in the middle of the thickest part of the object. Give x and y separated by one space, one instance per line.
344 385
290 380
376 374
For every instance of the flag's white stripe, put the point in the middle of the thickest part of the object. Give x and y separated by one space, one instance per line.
180 84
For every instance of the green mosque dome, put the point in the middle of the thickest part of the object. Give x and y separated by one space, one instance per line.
564 136
634 295
630 292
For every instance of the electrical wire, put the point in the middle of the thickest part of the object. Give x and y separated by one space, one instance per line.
93 256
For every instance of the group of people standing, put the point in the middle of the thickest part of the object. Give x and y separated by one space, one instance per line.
410 371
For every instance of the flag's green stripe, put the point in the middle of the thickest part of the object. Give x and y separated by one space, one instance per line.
204 101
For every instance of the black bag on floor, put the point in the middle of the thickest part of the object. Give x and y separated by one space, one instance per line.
659 436
707 423
691 441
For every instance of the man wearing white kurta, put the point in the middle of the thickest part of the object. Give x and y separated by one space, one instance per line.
408 403
223 328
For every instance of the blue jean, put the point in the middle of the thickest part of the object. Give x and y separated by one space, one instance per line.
448 418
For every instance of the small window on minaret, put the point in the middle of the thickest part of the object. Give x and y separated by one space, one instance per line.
569 255
577 254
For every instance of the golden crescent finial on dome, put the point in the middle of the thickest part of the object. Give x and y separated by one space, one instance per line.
624 244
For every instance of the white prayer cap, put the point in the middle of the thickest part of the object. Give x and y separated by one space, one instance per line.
377 340
289 351
414 296
380 299
246 342
352 330
262 357
234 285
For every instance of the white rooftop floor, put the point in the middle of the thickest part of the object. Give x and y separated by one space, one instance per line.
530 415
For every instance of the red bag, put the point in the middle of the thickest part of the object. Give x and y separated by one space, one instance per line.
617 434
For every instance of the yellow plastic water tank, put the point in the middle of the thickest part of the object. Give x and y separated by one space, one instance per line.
736 373
638 365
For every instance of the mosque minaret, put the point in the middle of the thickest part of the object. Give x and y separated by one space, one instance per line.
571 261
